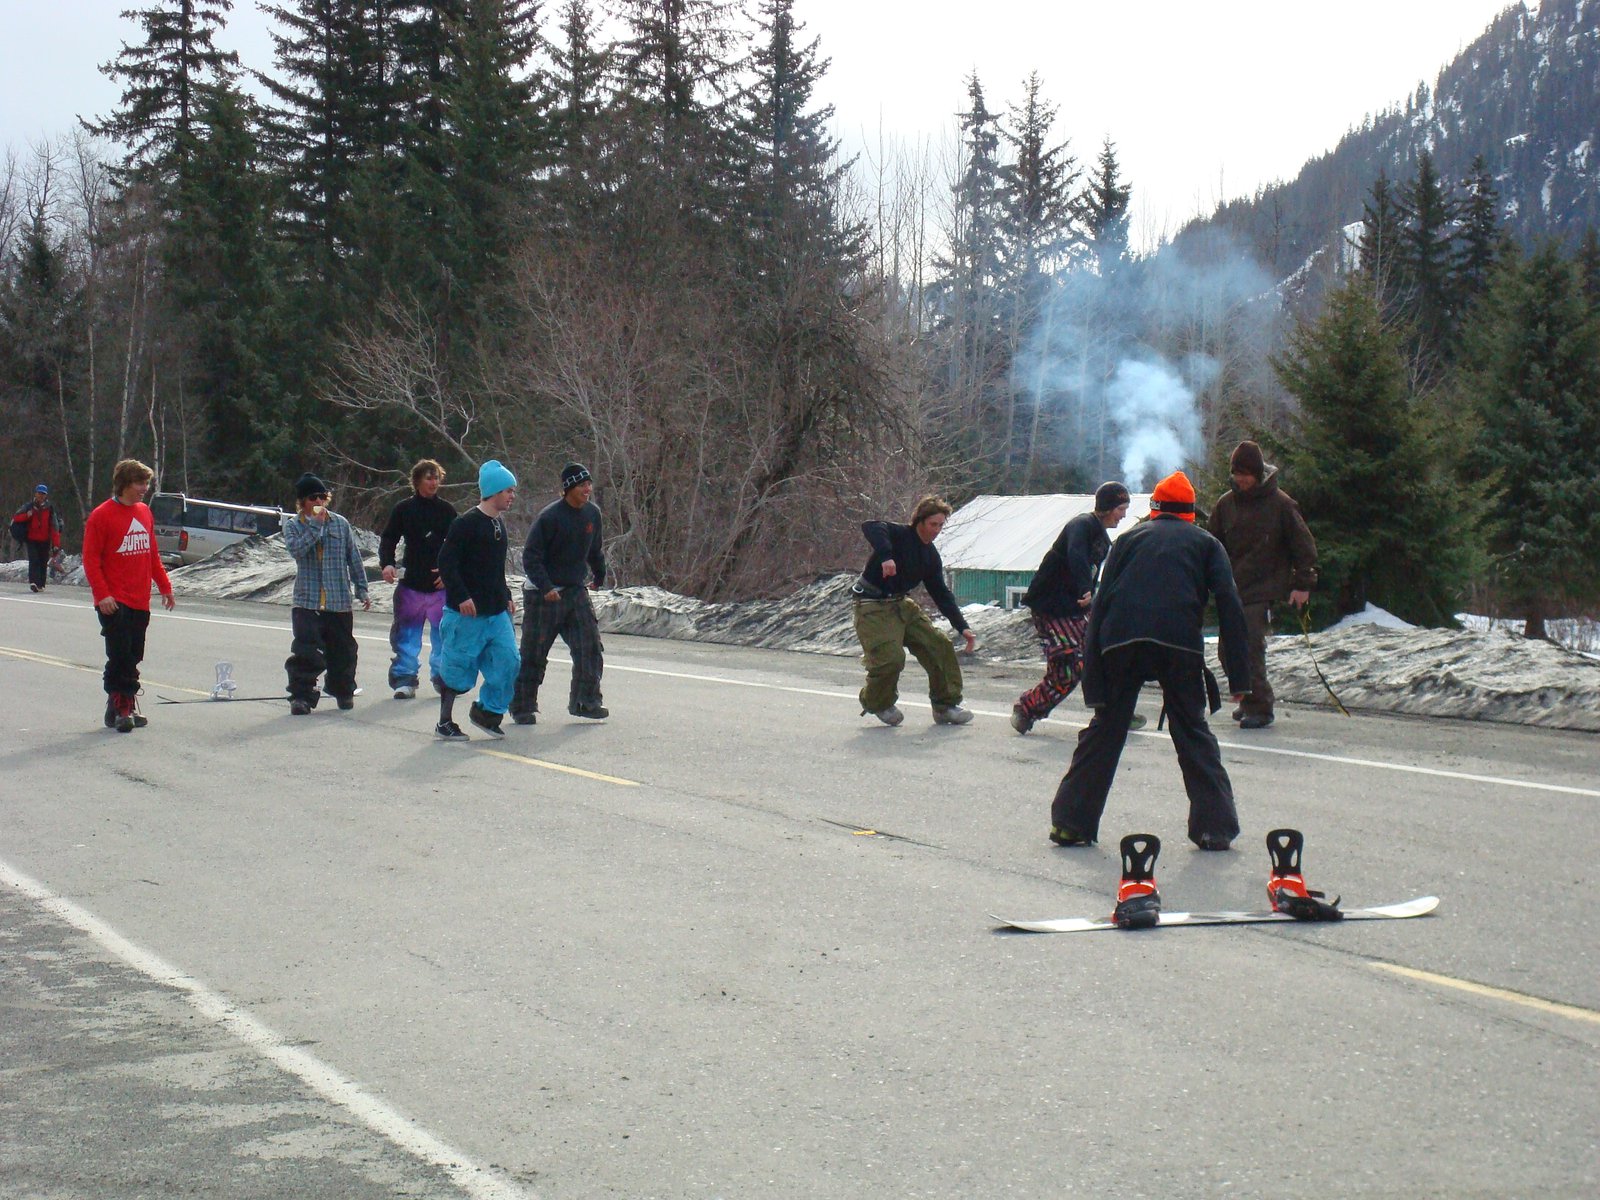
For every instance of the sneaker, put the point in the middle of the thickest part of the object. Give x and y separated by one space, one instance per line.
111 713
1238 714
1068 837
139 719
346 703
485 720
449 731
525 718
124 708
1138 901
951 714
890 716
33 587
595 712
1213 841
299 707
1020 720
1137 721
1255 721
406 691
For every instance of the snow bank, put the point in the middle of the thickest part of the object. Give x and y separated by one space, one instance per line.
1374 661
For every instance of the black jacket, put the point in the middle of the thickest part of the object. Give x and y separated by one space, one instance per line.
1068 569
1154 588
914 562
421 524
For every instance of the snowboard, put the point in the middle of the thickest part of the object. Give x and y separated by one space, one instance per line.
1418 907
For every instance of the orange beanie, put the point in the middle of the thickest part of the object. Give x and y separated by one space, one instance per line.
1174 496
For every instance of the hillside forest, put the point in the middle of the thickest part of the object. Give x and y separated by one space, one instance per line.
472 229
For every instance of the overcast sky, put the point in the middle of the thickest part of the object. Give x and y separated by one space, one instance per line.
1205 99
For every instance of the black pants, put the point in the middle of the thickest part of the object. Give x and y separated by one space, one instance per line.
38 562
124 632
572 617
323 641
1081 798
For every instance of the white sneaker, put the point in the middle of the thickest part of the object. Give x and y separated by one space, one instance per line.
890 715
951 714
405 691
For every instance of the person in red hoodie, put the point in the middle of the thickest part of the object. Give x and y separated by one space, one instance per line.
120 560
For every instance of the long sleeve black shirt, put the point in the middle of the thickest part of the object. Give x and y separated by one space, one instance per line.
421 524
1068 569
563 546
915 561
473 563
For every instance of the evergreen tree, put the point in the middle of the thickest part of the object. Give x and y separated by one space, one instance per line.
1532 370
1393 526
1379 255
1589 266
1480 234
1428 255
578 70
162 80
1105 212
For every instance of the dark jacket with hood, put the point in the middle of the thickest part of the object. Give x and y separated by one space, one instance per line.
1269 545
1154 588
1068 569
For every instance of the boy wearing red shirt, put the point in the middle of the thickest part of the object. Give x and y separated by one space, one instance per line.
120 560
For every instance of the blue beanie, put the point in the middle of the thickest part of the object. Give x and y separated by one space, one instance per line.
494 478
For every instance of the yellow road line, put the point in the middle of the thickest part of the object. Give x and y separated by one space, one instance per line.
550 766
46 660
1573 1011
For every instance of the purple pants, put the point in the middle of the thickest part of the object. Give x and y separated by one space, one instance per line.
413 610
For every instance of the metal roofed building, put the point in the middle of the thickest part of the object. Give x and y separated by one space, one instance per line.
992 545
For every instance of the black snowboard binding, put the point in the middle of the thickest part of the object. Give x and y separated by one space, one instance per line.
1138 902
1286 887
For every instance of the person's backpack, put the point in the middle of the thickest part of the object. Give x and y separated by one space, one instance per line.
19 526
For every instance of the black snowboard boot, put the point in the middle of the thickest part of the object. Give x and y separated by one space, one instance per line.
1138 902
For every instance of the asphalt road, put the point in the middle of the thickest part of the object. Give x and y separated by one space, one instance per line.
734 942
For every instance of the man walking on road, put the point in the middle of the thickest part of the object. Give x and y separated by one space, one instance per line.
420 521
328 570
1059 597
1273 556
889 622
476 634
1145 624
39 527
120 560
563 548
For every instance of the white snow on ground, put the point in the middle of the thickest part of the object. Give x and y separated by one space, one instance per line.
1371 615
1374 661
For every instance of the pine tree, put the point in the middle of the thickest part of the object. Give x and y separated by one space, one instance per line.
1105 212
1428 255
1480 234
1532 371
1379 255
1393 526
1589 266
162 80
579 66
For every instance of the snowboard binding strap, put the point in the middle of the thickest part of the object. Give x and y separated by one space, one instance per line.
1286 887
1138 901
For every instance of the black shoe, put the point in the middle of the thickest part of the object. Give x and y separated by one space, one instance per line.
34 587
346 703
485 720
595 712
1213 841
1256 721
1068 837
449 731
299 707
111 713
1238 714
1020 720
525 718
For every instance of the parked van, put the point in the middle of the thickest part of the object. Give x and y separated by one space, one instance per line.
189 530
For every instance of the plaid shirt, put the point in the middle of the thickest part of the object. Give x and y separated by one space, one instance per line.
329 563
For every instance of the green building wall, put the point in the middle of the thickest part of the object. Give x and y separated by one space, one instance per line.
986 587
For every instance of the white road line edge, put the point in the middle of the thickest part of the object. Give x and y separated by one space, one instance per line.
475 1181
1372 764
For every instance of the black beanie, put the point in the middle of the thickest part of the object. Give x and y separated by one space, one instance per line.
309 485
1248 460
572 475
1110 494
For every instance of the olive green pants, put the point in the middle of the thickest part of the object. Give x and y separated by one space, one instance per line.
887 629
